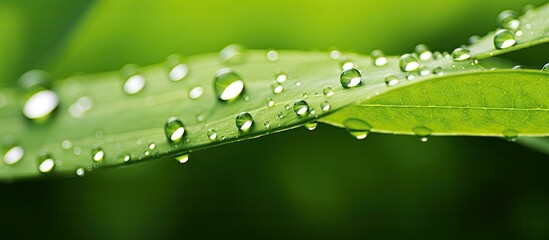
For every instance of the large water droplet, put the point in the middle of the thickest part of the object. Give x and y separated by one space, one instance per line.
461 54
174 130
408 63
244 121
350 78
277 88
233 54
41 105
391 80
422 132
228 85
328 91
423 52
13 155
378 58
45 163
504 39
301 108
508 19
357 127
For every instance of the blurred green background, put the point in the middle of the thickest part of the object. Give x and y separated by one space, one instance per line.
295 184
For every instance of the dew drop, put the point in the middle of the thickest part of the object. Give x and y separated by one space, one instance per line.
76 151
301 108
174 130
244 121
267 124
438 71
424 71
545 68
277 88
196 93
422 132
280 115
461 54
281 77
270 102
328 91
357 128
350 78
272 55
517 67
298 84
212 134
13 155
310 126
152 146
325 106
228 85
45 163
504 39
346 64
135 82
66 144
287 106
378 58
178 69
473 39
182 158
391 80
508 19
510 135
233 54
423 52
98 154
127 157
410 76
41 105
80 172
335 54
408 63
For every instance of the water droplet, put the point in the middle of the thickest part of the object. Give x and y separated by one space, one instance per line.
298 84
461 54
519 33
517 67
33 79
346 64
280 115
391 80
510 135
98 154
410 76
267 124
437 55
152 146
287 106
178 69
335 54
310 126
350 78
233 54
424 71
408 63
200 117
272 55
244 121
174 130
504 39
13 155
328 91
228 85
196 92
473 39
277 88
508 19
246 98
182 158
325 106
438 71
270 102
281 77
422 132
301 108
357 128
45 163
545 68
212 134
80 172
423 52
81 106
135 82
77 151
41 105
127 158
305 95
378 58
66 144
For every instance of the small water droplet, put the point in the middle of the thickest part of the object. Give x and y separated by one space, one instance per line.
174 130
66 144
328 91
280 115
510 135
350 78
410 76
182 158
152 146
281 77
301 108
504 39
408 63
200 117
272 55
277 88
228 85
233 54
98 154
135 82
423 52
378 58
246 98
80 172
287 106
305 95
473 39
127 157
244 121
267 124
76 151
391 80
335 54
424 71
346 64
357 127
325 106
298 84
438 71
461 54
508 19
438 55
545 68
13 155
212 134
422 132
45 163
519 33
196 92
270 102
178 69
310 126
41 105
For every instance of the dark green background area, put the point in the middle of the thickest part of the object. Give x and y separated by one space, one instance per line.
296 184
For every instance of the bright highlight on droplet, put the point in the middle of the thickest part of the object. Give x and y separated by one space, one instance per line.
41 104
134 84
13 155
